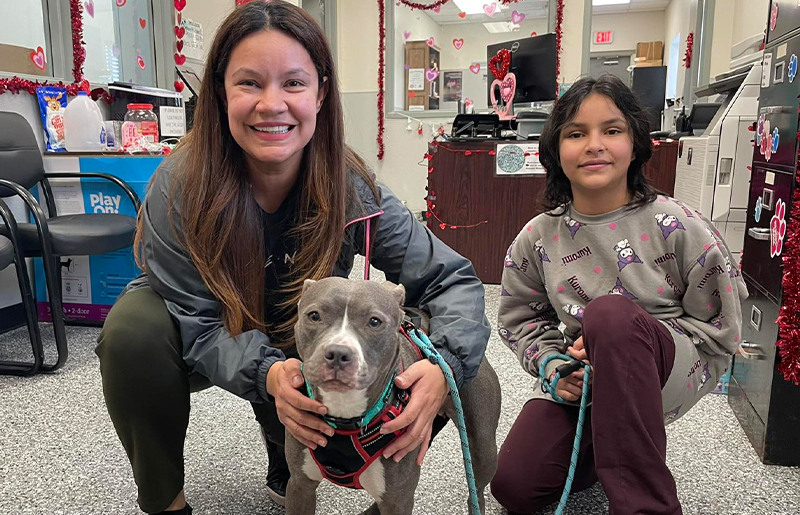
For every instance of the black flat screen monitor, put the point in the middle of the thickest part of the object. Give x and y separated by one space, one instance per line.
649 83
533 62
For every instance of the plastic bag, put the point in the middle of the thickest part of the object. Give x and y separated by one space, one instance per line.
52 103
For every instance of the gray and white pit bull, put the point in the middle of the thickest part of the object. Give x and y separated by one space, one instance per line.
348 337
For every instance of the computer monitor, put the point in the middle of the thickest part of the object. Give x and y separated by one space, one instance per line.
649 83
533 62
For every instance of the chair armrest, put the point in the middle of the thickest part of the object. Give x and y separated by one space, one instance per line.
116 180
38 215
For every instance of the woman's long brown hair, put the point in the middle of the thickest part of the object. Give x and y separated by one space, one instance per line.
220 219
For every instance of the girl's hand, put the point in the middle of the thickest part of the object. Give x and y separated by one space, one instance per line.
570 388
578 351
428 389
295 410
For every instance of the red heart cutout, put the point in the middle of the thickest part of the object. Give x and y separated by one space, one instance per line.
458 43
142 22
430 42
180 60
411 94
180 32
38 58
179 5
503 58
179 85
533 34
179 45
462 15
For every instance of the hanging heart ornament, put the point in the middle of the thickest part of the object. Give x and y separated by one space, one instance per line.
503 60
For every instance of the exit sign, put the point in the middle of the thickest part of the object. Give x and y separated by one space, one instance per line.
604 37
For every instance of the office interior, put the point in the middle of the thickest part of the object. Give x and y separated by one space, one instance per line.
717 78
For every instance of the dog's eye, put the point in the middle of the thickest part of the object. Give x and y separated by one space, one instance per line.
314 316
375 322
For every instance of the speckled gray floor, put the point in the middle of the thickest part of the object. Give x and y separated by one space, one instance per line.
59 453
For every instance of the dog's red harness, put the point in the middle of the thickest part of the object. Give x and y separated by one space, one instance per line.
353 448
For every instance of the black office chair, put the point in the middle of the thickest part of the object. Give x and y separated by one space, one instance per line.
10 253
22 168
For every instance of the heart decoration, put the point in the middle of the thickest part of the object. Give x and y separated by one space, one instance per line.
468 102
179 45
142 22
508 87
475 68
140 61
179 5
533 34
490 9
38 59
120 3
437 9
406 34
407 67
179 18
179 85
517 17
180 60
503 58
431 74
180 32
462 15
411 94
458 43
89 6
429 41
777 229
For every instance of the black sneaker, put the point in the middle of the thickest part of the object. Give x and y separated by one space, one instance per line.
186 510
278 471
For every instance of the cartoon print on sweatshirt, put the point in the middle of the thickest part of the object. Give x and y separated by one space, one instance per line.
668 224
574 310
683 206
705 378
504 292
572 225
508 338
702 259
716 321
618 289
672 414
732 272
509 262
538 246
539 307
674 325
625 254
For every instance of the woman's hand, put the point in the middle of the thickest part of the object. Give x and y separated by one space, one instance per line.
428 389
295 410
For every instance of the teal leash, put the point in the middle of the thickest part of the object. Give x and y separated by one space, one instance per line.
566 369
424 343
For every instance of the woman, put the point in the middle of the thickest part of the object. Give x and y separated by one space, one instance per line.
649 296
261 195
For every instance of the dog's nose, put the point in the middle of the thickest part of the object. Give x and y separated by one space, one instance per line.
338 356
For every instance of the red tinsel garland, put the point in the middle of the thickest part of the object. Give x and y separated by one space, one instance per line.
381 75
687 58
17 84
789 315
559 35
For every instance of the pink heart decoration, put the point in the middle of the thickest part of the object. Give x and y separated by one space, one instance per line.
431 74
120 3
179 5
507 88
475 68
406 34
517 17
490 9
180 32
533 34
458 43
407 67
468 102
429 41
179 17
38 58
89 6
180 60
437 9
179 45
142 22
777 226
140 61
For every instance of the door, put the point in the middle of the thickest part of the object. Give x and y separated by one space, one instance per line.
614 65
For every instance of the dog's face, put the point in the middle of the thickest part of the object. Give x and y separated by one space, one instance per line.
347 331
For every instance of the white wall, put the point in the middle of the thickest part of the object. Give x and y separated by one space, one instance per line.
677 21
749 19
421 27
572 41
721 39
210 14
477 38
629 29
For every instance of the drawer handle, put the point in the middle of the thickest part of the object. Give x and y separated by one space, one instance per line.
749 350
758 233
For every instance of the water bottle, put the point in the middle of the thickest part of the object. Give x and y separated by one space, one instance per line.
84 130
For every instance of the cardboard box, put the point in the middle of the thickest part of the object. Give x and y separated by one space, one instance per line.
650 50
640 62
91 284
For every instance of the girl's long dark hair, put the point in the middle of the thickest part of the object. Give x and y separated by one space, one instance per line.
558 191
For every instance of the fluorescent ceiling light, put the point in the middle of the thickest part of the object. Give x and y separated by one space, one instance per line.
500 26
610 2
475 6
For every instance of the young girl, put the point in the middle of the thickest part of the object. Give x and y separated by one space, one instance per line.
254 201
650 297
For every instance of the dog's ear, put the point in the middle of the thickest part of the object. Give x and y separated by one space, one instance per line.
397 291
307 283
